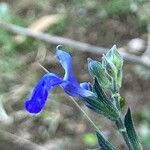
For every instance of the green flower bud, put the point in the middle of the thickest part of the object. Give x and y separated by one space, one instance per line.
97 71
109 67
114 57
113 63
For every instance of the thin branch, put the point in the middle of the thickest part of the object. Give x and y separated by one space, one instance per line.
85 47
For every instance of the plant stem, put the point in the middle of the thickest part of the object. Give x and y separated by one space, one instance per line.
86 115
122 130
119 123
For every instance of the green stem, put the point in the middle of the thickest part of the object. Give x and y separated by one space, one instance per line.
119 123
116 100
86 115
115 93
122 130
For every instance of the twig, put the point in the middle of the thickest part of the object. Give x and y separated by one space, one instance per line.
85 47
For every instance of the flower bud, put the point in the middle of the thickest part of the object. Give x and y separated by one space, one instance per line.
114 57
113 63
97 71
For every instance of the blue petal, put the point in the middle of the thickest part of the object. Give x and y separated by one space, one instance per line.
75 90
66 62
85 85
40 93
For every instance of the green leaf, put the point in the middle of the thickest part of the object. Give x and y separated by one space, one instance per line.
108 106
97 71
131 131
101 104
104 144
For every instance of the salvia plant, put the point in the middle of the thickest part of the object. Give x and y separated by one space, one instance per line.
107 80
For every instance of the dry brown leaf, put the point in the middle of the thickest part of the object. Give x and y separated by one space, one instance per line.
43 23
40 25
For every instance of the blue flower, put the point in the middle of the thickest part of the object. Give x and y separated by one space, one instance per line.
69 84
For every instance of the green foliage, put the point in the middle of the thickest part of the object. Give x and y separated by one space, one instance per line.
131 131
111 67
109 71
101 104
114 56
113 63
108 75
98 71
104 144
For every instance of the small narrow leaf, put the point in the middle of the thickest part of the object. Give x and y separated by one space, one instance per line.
131 131
104 144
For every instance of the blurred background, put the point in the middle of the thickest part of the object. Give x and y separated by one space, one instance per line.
61 126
